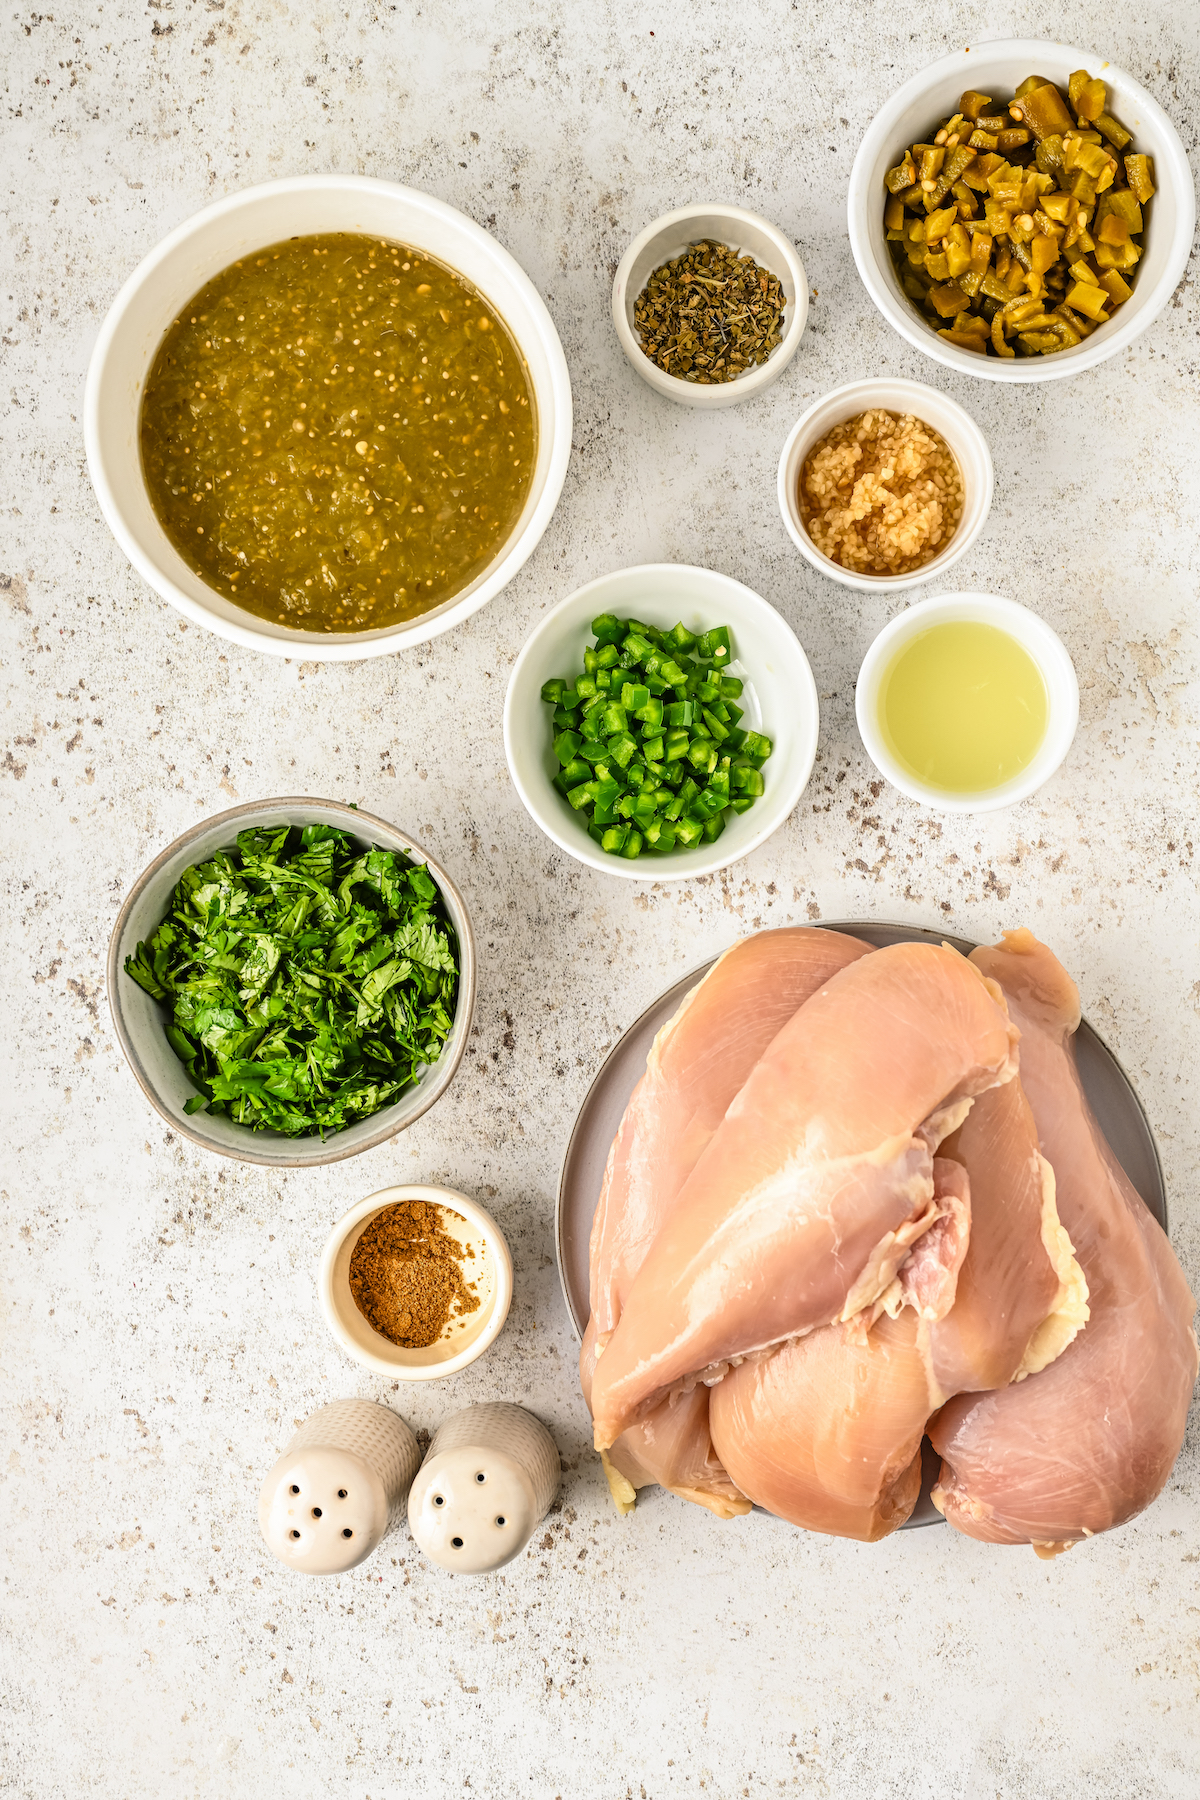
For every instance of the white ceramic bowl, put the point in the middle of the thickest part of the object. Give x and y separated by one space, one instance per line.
199 249
997 68
670 236
491 1270
955 424
780 699
1033 634
139 1020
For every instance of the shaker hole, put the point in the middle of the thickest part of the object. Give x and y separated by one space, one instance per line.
481 1476
295 1489
457 1542
316 1512
500 1518
341 1493
439 1500
294 1534
347 1532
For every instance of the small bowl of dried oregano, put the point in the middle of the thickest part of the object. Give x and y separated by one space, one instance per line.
709 304
416 1282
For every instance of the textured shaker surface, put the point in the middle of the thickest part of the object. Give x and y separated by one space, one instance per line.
486 1484
338 1487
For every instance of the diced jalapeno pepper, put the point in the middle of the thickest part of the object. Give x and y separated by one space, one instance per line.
613 717
715 646
622 748
644 757
748 781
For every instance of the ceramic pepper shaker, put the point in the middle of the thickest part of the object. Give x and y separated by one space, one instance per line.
338 1487
485 1485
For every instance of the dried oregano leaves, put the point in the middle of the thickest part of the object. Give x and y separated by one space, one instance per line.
709 314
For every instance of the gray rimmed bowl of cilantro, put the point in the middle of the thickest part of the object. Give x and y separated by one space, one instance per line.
292 982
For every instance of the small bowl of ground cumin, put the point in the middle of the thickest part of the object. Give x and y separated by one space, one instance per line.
416 1282
884 484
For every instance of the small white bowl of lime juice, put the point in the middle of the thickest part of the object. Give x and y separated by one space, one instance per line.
967 702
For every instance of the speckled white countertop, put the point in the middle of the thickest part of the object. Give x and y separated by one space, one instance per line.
160 1323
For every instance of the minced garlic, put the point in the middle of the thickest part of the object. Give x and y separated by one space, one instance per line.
881 494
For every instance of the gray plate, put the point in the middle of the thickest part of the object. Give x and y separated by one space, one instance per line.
1105 1082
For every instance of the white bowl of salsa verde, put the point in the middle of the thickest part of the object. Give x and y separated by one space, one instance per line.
328 416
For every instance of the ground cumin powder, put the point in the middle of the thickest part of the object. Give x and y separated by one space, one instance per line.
406 1275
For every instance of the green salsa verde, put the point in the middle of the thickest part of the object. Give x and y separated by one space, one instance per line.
338 433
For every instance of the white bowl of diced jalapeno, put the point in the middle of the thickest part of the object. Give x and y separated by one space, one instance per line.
997 69
670 747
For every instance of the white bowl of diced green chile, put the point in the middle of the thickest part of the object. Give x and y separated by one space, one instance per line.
676 731
1112 282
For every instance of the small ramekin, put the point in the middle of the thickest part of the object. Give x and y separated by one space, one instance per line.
962 434
745 232
479 1330
996 68
139 1021
1033 634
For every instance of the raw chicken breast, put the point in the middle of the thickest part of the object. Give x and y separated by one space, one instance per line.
696 1066
671 1446
826 1432
1091 1440
1021 1294
819 1179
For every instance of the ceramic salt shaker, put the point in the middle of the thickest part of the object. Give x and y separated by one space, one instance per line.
338 1487
486 1484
